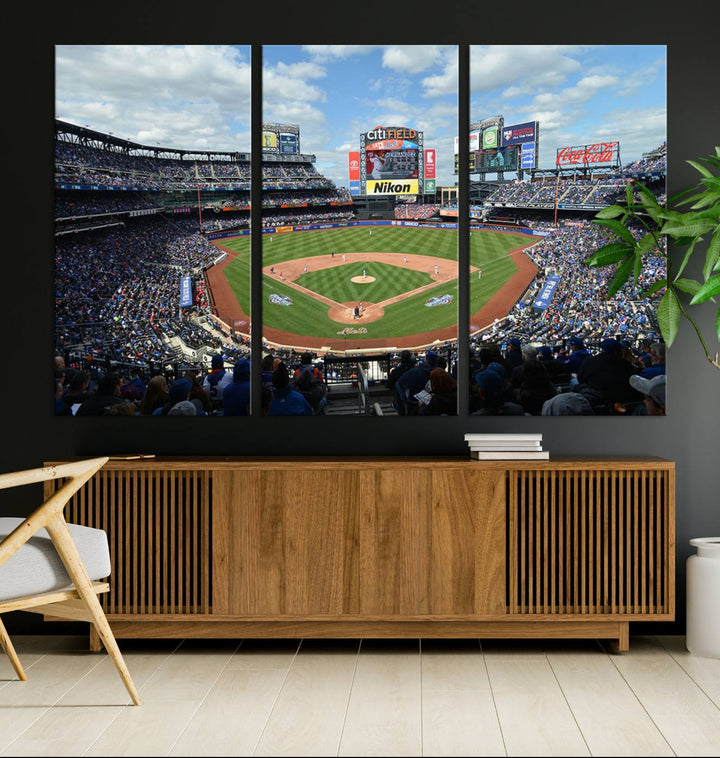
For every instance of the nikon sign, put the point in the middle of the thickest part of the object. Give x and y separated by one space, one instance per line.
389 187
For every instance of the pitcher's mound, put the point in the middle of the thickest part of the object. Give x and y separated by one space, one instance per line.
362 279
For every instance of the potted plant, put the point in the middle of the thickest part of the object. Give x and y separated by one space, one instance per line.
688 230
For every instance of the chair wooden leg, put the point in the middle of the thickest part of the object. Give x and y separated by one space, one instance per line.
68 552
7 646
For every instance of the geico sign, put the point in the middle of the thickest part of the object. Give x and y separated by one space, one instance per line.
600 152
405 187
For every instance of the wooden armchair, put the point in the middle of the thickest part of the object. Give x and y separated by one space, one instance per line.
49 566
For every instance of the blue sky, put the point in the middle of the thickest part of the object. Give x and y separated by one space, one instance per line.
197 97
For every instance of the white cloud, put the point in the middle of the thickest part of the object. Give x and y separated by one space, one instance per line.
181 96
325 53
412 59
521 66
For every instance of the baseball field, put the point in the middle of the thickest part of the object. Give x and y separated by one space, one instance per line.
370 287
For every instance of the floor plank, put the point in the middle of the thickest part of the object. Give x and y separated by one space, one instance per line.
309 714
384 712
686 716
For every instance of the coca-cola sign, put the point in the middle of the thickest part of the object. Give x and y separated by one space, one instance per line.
582 155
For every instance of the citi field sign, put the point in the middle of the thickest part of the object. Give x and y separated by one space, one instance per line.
401 133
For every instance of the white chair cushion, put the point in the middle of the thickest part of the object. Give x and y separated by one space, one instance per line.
36 567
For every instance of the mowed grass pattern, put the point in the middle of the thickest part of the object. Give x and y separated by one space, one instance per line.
337 283
308 316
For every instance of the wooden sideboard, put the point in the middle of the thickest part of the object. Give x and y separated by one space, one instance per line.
384 547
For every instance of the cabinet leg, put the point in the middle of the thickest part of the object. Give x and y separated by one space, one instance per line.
622 643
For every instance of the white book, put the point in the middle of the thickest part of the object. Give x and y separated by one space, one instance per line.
510 455
528 446
502 437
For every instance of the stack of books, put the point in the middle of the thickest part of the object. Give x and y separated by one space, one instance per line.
500 447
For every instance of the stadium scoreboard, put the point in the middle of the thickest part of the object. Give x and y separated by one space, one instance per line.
392 160
496 148
281 139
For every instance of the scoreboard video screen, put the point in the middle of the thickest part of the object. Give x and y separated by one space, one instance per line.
496 159
392 164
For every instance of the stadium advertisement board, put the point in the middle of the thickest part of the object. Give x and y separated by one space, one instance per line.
354 165
269 141
546 293
185 292
289 143
390 187
354 187
430 163
519 134
473 145
430 187
527 155
584 155
490 138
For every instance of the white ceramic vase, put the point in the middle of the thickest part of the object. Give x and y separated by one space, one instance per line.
702 633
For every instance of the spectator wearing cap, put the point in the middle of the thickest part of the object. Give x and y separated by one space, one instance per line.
577 355
607 376
236 397
653 392
412 382
285 401
178 392
567 404
488 394
407 361
513 356
216 381
183 408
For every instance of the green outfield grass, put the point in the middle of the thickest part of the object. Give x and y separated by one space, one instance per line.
307 316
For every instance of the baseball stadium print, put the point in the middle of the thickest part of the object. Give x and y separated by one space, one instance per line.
360 229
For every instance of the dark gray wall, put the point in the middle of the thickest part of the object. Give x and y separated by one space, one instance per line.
689 435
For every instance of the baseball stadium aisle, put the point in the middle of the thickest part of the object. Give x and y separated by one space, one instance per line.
362 697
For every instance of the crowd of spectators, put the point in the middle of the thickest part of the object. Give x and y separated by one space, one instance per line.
579 304
77 164
416 211
289 389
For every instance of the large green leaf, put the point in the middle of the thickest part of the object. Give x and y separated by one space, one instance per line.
699 167
622 274
617 228
689 227
712 257
655 287
711 288
691 286
612 211
612 253
668 314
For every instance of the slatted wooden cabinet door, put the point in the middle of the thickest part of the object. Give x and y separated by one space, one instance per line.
374 542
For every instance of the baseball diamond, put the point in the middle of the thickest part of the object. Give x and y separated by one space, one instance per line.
394 273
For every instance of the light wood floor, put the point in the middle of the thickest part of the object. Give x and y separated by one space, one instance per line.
361 698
